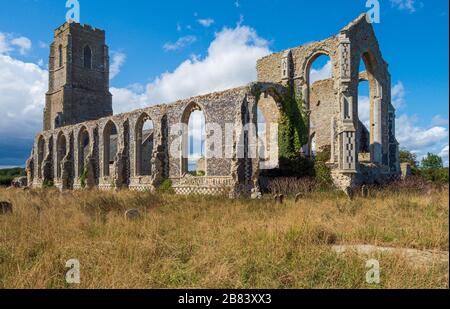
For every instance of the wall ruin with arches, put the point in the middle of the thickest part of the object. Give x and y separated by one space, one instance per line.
332 105
114 152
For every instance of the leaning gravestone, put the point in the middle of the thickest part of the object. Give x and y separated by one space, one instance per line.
5 208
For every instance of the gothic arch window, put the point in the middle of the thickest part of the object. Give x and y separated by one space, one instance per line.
87 57
110 147
194 141
40 155
61 152
369 111
144 145
60 55
83 149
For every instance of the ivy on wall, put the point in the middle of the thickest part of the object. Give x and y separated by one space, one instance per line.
292 135
293 125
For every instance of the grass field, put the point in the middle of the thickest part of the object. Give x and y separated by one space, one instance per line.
215 242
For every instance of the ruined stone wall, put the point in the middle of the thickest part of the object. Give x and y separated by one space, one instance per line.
322 104
90 168
81 95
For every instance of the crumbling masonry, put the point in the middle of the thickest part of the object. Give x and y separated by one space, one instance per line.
75 149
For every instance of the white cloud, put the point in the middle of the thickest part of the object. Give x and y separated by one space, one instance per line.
22 96
4 44
408 5
398 95
118 60
438 120
230 62
237 4
180 43
420 139
444 154
206 22
9 43
23 43
320 74
364 110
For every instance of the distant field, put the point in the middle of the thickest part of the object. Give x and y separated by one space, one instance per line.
214 242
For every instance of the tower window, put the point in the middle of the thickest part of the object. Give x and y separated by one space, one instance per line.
60 55
87 57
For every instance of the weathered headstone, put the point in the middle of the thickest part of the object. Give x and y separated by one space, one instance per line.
5 208
132 214
365 191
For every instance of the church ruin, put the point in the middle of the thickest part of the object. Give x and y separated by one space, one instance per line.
84 145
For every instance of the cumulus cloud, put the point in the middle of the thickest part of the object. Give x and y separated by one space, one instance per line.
206 22
420 139
9 43
407 5
321 73
4 44
23 43
439 120
444 155
22 95
230 62
398 95
118 60
180 43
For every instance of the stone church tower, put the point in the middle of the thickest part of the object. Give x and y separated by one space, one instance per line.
78 77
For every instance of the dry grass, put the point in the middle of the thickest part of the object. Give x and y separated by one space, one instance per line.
192 242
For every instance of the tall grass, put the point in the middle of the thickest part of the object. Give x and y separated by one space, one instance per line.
211 242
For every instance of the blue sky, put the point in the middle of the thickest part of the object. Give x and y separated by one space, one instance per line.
157 44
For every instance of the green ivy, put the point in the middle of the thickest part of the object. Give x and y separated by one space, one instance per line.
83 178
48 183
293 126
321 170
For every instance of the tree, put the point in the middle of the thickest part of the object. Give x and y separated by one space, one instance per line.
432 169
432 162
407 156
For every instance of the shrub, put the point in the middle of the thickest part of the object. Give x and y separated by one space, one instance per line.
48 183
166 187
6 180
321 170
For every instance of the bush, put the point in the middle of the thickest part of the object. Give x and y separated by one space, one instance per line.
6 180
166 187
321 170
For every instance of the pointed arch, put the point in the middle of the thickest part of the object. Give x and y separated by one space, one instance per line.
87 57
194 140
84 142
144 137
61 152
40 155
110 146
